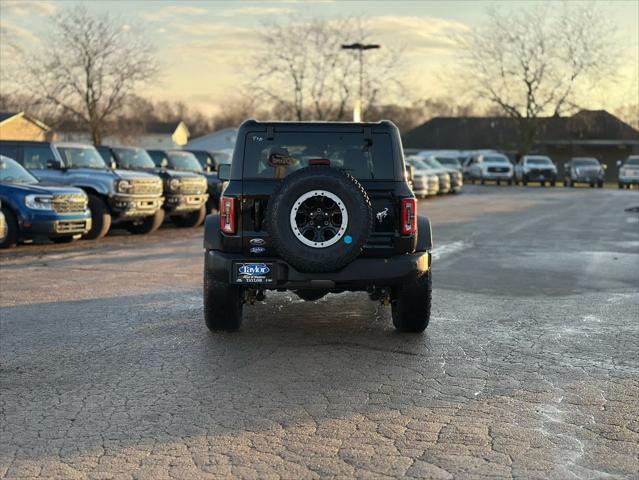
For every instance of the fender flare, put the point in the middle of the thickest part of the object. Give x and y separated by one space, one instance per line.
424 235
212 236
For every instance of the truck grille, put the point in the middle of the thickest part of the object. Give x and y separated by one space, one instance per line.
498 169
193 186
73 226
151 186
71 203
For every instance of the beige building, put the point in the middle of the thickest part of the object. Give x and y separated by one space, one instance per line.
20 126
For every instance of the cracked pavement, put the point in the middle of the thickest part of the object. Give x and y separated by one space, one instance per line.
529 368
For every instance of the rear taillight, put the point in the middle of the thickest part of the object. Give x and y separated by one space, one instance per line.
409 216
227 215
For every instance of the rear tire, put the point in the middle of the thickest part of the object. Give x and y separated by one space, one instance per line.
223 304
482 181
553 183
600 185
148 224
410 304
10 239
100 218
621 185
192 219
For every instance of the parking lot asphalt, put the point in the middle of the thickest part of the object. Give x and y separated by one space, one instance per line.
529 368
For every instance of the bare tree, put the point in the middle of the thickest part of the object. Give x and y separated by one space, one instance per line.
87 67
305 75
535 61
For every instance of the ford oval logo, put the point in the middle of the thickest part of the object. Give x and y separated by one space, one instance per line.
257 241
254 269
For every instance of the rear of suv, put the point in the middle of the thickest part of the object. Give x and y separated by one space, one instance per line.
317 208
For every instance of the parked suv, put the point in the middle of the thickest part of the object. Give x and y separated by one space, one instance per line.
490 167
185 186
317 208
425 182
114 195
584 170
209 170
535 168
33 210
628 171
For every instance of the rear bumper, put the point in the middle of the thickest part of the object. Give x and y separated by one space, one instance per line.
360 274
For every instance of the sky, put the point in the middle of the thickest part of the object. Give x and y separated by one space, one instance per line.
203 45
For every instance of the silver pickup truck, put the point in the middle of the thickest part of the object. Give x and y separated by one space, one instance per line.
628 171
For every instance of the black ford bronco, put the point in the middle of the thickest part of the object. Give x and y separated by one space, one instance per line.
317 208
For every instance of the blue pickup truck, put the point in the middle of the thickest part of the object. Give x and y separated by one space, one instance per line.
32 209
132 199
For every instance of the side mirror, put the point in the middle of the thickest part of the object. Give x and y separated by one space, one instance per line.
114 165
619 162
224 171
164 163
54 164
210 165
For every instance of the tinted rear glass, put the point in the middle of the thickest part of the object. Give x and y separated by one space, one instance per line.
288 152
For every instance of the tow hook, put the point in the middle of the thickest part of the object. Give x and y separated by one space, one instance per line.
385 297
252 295
249 297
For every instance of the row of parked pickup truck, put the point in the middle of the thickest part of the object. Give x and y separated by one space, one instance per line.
63 191
491 166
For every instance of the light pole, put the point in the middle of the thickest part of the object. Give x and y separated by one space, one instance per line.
357 110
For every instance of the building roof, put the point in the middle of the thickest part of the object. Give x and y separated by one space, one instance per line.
467 133
5 116
162 127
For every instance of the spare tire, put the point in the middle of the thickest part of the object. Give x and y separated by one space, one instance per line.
319 219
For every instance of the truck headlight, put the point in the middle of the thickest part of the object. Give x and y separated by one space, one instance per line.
39 202
123 186
174 184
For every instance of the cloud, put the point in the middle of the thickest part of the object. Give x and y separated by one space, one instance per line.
173 11
13 34
235 12
28 8
419 34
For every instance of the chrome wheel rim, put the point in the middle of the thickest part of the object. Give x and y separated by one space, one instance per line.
319 219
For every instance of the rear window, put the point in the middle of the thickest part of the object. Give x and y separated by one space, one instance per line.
288 152
538 161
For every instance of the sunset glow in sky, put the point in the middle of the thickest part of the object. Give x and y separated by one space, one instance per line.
203 45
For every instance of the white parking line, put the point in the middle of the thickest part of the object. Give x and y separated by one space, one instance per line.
447 249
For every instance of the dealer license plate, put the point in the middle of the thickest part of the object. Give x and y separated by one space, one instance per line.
248 272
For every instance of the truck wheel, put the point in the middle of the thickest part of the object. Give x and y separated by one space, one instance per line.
10 237
482 181
222 305
100 218
621 185
192 219
146 224
311 295
553 183
319 219
599 184
410 304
